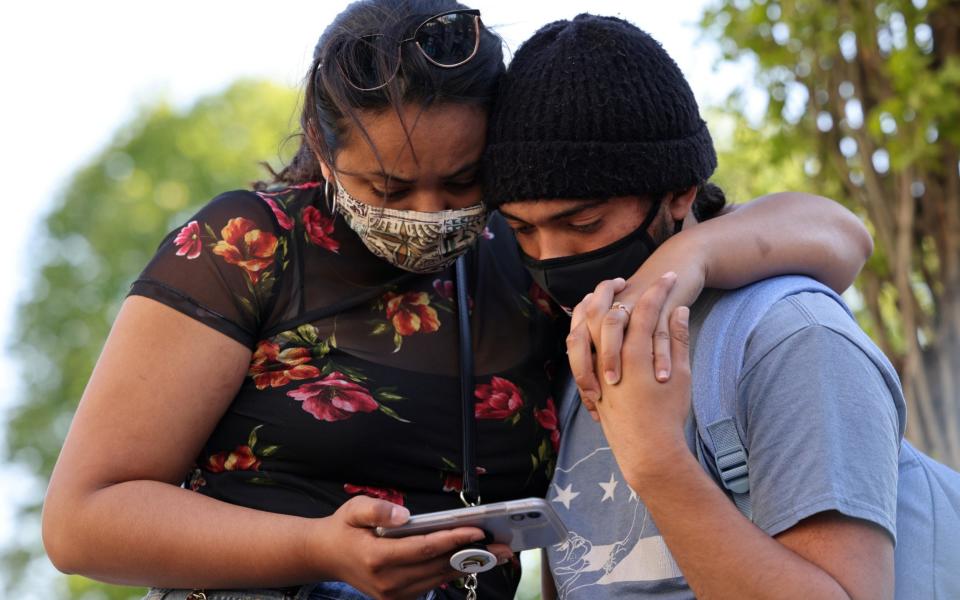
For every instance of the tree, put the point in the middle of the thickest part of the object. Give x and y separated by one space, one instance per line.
101 232
864 102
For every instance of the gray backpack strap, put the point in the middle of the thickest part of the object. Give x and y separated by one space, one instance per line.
568 402
717 362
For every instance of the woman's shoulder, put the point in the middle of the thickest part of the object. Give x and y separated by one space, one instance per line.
273 207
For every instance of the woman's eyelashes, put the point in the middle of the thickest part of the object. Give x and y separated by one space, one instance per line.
390 195
460 186
457 187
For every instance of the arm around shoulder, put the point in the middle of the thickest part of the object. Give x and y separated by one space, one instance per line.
784 233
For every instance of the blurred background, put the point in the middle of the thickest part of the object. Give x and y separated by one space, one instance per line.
119 119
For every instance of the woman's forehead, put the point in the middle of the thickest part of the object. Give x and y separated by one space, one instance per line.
415 142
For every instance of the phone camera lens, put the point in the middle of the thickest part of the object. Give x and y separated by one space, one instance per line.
516 517
533 515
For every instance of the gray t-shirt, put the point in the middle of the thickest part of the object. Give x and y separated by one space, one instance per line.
822 434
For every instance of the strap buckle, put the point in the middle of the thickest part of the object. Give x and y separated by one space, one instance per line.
466 501
732 466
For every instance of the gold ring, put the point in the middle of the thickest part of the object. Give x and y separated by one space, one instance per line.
620 306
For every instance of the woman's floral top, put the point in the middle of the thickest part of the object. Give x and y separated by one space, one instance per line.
353 384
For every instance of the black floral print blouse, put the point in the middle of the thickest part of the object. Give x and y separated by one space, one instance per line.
353 386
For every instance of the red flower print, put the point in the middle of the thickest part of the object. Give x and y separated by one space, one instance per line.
453 481
499 399
548 420
306 186
285 221
188 241
443 288
196 480
247 247
319 228
334 398
241 459
411 313
541 299
388 494
272 367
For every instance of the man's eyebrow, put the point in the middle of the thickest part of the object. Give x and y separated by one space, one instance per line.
563 214
511 217
574 210
393 178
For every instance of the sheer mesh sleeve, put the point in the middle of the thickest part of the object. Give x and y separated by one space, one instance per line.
221 268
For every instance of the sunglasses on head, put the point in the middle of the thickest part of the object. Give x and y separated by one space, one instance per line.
447 40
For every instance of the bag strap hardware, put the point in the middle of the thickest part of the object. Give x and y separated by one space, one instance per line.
470 494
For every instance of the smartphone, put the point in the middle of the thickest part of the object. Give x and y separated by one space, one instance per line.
520 524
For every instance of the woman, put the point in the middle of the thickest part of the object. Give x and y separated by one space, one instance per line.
289 355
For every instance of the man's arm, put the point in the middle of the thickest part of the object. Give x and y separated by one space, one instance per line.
723 555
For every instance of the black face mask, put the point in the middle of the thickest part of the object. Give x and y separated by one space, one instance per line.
568 279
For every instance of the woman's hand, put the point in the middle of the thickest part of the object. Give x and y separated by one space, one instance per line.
595 324
349 550
642 417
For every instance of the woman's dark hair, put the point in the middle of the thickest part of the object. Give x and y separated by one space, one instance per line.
709 201
331 103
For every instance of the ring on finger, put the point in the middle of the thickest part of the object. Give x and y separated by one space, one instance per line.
621 306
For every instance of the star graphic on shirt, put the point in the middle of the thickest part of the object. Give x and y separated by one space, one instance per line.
565 495
608 488
633 494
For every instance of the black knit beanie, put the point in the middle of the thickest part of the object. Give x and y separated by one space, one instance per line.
593 108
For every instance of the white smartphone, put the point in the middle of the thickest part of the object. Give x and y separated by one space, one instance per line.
520 524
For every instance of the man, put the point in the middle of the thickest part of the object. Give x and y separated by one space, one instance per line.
596 155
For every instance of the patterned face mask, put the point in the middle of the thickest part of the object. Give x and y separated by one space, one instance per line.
421 242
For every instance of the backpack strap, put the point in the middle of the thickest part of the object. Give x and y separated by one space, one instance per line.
718 359
569 402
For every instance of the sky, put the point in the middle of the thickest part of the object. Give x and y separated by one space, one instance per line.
73 72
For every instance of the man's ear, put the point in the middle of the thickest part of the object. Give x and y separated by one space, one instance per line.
680 203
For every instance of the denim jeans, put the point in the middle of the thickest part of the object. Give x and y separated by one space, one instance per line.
327 590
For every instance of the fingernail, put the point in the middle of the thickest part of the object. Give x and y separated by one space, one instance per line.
476 537
610 376
662 375
684 315
503 560
399 514
669 275
620 280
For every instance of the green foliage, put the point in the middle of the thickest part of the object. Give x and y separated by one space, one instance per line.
864 107
102 231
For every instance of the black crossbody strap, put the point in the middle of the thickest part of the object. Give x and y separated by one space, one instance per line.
471 486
